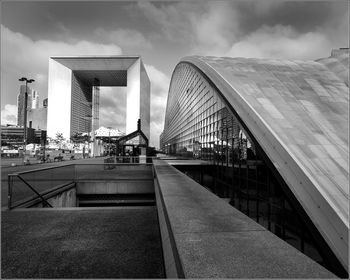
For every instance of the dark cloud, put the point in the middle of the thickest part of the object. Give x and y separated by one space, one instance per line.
113 107
303 16
69 20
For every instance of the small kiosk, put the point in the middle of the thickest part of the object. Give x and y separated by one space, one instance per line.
133 147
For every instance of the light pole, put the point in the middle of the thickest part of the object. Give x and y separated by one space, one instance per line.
28 81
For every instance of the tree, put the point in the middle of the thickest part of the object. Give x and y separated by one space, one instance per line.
59 139
79 138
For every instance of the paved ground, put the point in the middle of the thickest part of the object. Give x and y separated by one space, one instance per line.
81 243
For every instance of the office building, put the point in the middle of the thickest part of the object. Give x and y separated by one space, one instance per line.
37 117
13 136
32 102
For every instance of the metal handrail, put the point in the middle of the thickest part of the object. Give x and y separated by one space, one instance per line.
34 190
10 187
40 169
18 175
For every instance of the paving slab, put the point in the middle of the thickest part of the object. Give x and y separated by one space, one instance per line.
81 243
249 254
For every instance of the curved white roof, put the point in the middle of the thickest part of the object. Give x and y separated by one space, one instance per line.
298 112
338 63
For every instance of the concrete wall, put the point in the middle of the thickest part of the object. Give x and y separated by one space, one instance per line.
133 97
116 187
64 199
145 102
59 94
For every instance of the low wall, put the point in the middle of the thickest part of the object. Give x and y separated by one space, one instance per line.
116 187
205 237
62 197
65 199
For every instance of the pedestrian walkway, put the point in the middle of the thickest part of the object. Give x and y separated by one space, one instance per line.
93 243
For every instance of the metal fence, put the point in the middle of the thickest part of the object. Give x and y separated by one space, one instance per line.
27 186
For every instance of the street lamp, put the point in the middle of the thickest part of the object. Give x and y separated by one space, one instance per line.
28 81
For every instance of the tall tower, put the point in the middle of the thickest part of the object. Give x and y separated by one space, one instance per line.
33 103
34 100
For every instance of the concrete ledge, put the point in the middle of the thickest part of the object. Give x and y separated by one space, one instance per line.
203 237
172 265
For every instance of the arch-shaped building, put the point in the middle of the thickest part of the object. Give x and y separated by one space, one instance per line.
278 130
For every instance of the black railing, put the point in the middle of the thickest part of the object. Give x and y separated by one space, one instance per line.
37 184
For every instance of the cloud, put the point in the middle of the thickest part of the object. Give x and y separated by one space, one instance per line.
159 92
281 42
9 114
252 28
265 7
127 38
205 27
22 56
172 19
215 29
113 107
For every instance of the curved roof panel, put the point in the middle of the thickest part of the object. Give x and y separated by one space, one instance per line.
298 112
338 63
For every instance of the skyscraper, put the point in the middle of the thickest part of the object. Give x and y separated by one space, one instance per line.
33 103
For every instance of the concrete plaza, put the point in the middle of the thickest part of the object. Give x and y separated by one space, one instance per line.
81 243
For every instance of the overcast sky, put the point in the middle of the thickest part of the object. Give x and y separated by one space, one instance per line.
162 33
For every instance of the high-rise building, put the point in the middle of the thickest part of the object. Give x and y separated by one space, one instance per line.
32 103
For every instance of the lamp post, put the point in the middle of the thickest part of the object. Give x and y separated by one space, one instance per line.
28 81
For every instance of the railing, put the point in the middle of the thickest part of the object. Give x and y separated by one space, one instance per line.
27 186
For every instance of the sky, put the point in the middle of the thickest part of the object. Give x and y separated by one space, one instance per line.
162 33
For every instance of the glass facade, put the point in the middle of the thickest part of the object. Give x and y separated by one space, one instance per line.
81 106
198 124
